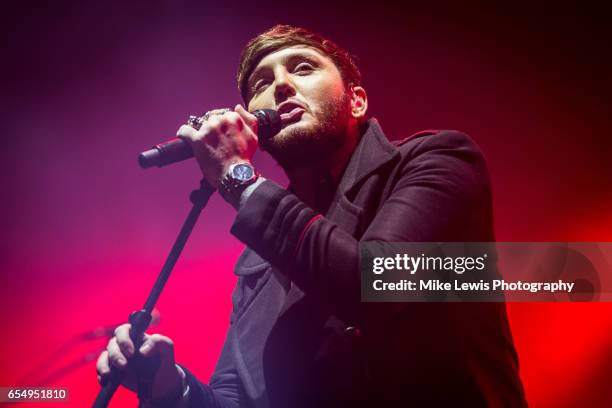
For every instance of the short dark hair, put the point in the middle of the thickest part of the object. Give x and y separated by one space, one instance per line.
282 36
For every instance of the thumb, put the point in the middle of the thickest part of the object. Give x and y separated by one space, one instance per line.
158 344
247 116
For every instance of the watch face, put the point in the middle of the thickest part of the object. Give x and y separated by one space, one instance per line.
243 172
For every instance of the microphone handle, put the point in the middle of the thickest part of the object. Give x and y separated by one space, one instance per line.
175 150
166 153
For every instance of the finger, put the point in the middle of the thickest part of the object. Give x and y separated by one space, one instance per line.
124 341
187 132
248 117
210 132
115 356
231 120
157 343
102 366
212 125
219 111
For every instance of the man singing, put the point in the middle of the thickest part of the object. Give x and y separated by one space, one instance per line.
299 335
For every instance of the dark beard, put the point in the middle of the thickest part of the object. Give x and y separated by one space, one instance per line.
299 146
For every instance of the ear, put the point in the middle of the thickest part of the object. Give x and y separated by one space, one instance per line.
359 102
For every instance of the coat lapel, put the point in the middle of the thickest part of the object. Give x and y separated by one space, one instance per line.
372 152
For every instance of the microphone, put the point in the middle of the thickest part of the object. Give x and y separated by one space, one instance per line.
175 150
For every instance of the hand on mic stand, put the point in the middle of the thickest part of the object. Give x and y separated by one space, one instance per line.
167 379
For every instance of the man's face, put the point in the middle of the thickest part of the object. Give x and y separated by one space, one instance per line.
307 89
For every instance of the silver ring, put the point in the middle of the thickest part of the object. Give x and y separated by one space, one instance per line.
195 121
208 114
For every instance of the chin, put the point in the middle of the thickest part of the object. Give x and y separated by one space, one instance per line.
305 140
297 142
296 130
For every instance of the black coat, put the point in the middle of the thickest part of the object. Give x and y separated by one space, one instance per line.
299 335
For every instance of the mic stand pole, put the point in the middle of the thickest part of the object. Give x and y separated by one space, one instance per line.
140 320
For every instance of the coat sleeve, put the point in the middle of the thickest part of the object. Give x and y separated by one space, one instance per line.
225 388
444 177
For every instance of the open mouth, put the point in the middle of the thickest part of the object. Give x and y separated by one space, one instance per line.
293 116
290 113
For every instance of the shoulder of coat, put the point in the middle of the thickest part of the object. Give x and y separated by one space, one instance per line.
416 135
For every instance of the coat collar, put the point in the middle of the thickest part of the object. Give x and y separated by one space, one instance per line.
372 152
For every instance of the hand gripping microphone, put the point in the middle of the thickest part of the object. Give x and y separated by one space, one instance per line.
175 150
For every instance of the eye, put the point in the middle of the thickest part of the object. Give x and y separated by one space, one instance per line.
260 85
303 67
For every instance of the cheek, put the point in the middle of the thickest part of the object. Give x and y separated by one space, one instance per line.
320 91
264 100
252 105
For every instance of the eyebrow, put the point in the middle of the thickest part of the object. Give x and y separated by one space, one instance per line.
310 56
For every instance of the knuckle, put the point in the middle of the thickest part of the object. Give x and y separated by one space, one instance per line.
117 359
185 132
102 362
112 343
214 122
233 117
125 346
121 329
206 129
114 352
160 338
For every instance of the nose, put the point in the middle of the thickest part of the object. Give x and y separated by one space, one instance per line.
284 88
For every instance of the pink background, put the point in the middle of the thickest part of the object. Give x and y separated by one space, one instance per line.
88 85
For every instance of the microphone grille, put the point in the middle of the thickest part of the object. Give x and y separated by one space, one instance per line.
269 123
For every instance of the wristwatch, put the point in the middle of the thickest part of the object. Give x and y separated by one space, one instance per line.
239 176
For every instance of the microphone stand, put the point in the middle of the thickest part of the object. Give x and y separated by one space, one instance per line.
140 319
